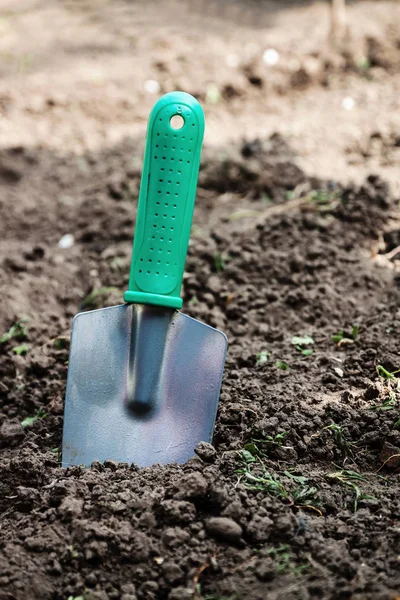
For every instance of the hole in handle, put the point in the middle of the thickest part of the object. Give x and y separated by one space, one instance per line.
177 122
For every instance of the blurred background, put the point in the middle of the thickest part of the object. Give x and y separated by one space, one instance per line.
78 75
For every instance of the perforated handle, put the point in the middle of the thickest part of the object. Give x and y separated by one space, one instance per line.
166 201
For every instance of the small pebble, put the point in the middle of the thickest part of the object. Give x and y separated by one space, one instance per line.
152 86
206 451
271 57
348 103
224 529
67 241
181 593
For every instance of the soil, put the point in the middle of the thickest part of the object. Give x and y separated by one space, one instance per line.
295 233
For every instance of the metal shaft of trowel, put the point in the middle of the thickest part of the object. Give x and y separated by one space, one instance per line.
149 330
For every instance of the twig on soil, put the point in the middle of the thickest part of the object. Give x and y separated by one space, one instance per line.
392 253
386 461
279 209
303 198
197 575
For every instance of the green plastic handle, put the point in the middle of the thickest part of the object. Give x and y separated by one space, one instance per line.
166 201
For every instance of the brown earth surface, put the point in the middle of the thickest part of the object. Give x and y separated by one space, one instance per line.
295 233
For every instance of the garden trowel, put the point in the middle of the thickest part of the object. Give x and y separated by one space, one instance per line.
144 379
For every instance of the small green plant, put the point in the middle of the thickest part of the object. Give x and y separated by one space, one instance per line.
343 335
350 479
262 357
282 557
323 198
387 375
72 552
265 482
306 497
282 365
193 300
57 453
296 478
18 331
301 344
41 414
289 195
21 350
364 64
256 477
337 434
219 262
268 440
62 342
284 560
389 404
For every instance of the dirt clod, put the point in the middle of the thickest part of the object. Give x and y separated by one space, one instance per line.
206 451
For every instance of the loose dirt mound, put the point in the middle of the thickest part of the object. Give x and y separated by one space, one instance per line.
299 498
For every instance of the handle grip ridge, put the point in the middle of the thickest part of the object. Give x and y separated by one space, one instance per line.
166 201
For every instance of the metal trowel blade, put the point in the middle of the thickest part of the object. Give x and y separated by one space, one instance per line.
143 386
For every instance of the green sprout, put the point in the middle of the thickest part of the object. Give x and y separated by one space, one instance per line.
324 198
284 560
18 331
21 350
62 342
306 496
364 63
301 342
30 420
57 453
349 478
337 434
262 357
343 335
282 365
72 553
389 404
256 477
269 440
296 478
219 262
385 374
